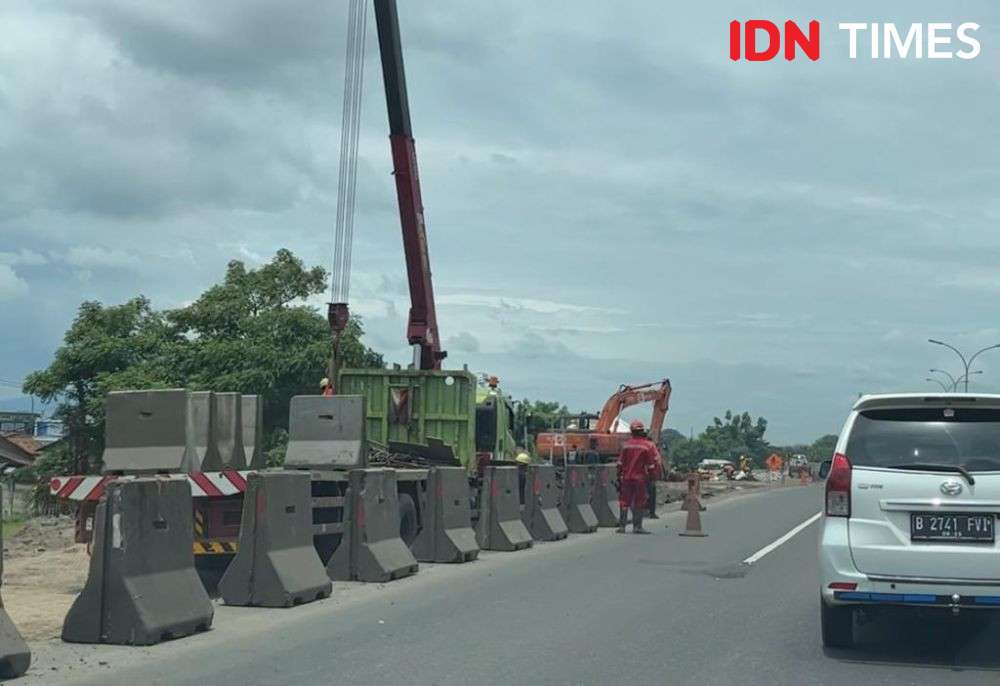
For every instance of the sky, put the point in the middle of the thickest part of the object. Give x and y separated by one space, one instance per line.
609 198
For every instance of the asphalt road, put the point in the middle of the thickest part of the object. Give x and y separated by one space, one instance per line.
603 609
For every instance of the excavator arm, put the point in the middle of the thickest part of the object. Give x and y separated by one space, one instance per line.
657 392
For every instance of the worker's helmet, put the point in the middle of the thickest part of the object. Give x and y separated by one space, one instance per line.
523 458
637 427
324 382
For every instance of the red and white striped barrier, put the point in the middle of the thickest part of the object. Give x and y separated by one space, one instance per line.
203 484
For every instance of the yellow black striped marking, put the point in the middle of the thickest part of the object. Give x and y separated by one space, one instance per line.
199 523
215 547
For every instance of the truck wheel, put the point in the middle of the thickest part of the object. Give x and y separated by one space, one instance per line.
838 625
407 518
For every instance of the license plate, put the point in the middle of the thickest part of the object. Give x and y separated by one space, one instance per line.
948 527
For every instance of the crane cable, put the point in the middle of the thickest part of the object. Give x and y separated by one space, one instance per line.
357 28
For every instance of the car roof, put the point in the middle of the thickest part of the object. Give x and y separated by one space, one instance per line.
888 400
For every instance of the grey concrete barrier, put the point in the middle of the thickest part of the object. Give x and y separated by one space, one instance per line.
575 504
446 534
229 430
277 565
370 548
326 432
201 431
156 431
253 431
541 504
142 587
500 526
15 657
604 494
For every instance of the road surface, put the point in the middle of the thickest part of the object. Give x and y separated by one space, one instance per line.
598 609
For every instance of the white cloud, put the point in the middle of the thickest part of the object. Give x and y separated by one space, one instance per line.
507 303
11 285
23 257
98 257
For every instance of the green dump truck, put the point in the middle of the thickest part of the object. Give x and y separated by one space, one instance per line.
435 410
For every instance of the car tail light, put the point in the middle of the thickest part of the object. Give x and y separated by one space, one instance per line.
843 585
838 487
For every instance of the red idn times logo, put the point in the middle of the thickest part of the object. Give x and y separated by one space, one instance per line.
756 29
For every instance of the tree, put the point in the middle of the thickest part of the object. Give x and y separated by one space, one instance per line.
535 417
822 448
101 343
252 333
724 439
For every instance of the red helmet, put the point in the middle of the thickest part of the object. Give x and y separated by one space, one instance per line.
636 426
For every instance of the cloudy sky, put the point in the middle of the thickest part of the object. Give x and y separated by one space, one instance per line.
609 198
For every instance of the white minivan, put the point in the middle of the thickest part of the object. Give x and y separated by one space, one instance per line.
912 496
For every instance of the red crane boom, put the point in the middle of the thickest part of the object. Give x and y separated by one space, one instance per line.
421 327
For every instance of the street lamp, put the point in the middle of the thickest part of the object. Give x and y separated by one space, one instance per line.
965 363
951 379
939 382
966 376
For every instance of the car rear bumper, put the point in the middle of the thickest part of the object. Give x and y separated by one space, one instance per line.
837 567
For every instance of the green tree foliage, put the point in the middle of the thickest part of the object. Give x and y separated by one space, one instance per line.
536 416
724 439
822 448
252 333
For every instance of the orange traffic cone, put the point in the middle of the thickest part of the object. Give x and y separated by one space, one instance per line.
693 507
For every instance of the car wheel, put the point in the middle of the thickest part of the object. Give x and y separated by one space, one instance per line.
407 518
838 625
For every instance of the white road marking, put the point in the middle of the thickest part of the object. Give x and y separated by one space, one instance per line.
784 539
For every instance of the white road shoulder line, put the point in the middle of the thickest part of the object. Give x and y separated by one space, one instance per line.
784 539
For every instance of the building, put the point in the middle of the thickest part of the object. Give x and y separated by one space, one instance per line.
18 422
18 450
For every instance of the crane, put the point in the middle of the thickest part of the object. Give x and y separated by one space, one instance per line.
601 440
421 328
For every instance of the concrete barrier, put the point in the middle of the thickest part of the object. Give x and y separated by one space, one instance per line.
253 431
326 432
541 504
575 504
153 431
604 495
229 430
277 565
500 526
446 534
370 548
200 428
142 587
15 656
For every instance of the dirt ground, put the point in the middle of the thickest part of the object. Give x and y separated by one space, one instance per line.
43 571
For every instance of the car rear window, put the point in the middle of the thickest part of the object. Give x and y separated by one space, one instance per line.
963 436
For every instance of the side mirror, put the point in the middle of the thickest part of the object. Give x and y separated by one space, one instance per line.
824 468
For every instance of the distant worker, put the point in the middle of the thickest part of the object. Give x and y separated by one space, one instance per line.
523 459
325 387
636 467
658 473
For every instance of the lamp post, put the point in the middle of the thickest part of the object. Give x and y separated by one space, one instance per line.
966 377
951 379
939 382
965 363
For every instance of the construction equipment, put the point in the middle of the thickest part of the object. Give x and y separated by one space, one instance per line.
422 404
421 329
601 444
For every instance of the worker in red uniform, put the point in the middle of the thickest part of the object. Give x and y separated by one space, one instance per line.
637 463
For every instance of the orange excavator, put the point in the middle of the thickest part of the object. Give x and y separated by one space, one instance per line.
601 444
